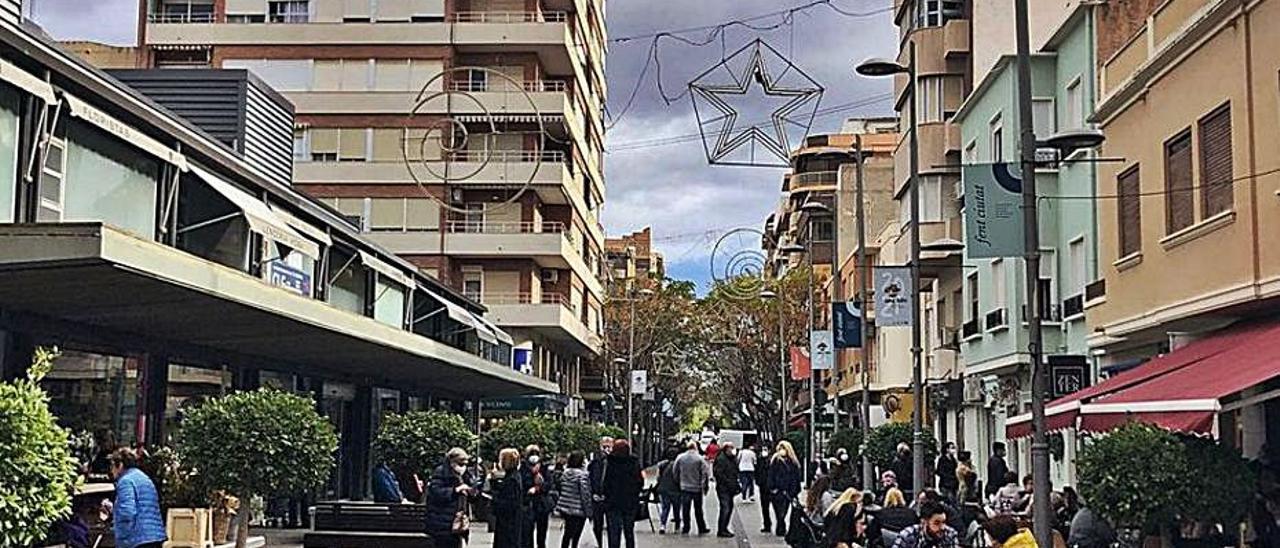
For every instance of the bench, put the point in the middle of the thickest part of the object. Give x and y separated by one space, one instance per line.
361 524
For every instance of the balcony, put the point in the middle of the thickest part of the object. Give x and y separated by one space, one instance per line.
550 244
550 314
509 17
177 31
814 180
180 18
955 37
1124 62
545 170
546 99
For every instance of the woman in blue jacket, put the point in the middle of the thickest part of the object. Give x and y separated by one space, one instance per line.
136 519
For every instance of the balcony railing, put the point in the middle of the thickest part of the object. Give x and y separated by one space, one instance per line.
179 18
531 86
507 17
525 298
521 227
813 178
507 156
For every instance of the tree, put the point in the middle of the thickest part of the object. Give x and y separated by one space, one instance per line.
416 442
37 470
1136 477
882 443
520 433
1221 479
849 439
265 442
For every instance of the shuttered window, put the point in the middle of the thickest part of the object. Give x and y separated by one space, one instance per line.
1130 212
1217 189
1180 210
352 145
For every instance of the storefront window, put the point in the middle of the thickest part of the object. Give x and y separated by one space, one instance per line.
188 387
95 397
107 180
388 307
347 289
8 153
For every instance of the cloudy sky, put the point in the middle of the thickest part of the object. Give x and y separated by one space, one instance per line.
656 168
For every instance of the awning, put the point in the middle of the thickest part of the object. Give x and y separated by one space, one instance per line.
27 82
261 218
125 132
455 311
384 269
483 324
1181 391
305 228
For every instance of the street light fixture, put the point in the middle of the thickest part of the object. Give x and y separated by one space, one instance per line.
1071 140
885 67
792 248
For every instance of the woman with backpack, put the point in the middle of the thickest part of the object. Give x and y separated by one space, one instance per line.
573 500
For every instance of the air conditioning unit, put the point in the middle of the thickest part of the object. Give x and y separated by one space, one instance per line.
550 276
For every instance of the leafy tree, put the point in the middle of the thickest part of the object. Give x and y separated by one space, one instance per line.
799 440
1137 477
37 470
1221 480
849 439
519 433
416 442
265 442
882 443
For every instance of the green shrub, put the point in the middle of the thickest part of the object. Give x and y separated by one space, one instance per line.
1221 480
1137 476
519 433
418 440
37 470
265 442
882 443
849 439
799 440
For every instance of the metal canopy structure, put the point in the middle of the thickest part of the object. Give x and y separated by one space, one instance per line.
95 275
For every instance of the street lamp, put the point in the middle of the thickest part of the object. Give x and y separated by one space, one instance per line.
884 67
631 354
812 209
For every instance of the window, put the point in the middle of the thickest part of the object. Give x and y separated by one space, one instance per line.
972 282
1043 117
246 18
998 283
353 145
1180 206
1047 290
1073 110
391 75
388 303
96 393
822 230
288 11
473 220
324 144
1216 177
473 282
280 74
354 210
930 201
1129 208
301 146
8 153
388 145
932 98
186 11
997 138
347 289
1079 273
933 13
386 214
110 181
421 214
52 181
342 75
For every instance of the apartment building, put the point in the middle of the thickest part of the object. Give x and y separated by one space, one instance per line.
993 339
167 268
631 256
489 181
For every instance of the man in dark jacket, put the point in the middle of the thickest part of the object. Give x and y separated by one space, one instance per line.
595 471
536 478
904 470
725 471
997 469
447 494
622 485
762 483
945 469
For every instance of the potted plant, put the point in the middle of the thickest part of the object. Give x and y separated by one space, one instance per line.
264 443
37 470
520 433
1137 477
416 442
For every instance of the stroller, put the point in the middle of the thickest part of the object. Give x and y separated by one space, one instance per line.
802 532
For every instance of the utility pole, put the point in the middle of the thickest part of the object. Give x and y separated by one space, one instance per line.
813 373
917 376
864 272
1031 238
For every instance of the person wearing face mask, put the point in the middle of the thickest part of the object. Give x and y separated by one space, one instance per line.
595 472
844 472
447 494
725 471
537 499
945 470
762 482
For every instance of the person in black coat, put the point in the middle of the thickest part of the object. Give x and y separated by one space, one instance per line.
945 470
725 471
595 471
622 484
507 488
762 482
536 477
446 496
784 483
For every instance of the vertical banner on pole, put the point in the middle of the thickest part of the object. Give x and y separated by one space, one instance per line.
993 212
846 321
639 382
893 296
821 350
799 364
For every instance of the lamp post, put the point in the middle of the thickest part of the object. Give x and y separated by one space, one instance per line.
769 294
812 210
631 358
883 67
864 273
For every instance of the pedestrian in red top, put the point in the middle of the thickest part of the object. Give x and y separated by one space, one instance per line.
713 449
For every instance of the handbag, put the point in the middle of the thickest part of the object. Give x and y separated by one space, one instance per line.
461 521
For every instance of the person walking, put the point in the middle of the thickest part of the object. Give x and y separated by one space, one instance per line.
135 515
447 494
712 451
784 483
762 482
904 469
945 470
573 499
622 484
668 489
507 490
691 474
1003 532
596 473
931 531
747 473
727 487
537 502
997 469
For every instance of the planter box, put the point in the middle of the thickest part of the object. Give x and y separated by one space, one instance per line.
189 528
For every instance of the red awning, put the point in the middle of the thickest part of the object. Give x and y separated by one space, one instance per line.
1179 391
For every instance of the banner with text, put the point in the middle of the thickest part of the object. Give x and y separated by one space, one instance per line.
847 320
893 296
992 212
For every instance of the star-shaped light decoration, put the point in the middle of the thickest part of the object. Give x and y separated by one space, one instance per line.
755 134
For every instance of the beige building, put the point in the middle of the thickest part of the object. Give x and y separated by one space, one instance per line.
104 56
1188 99
493 186
631 256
